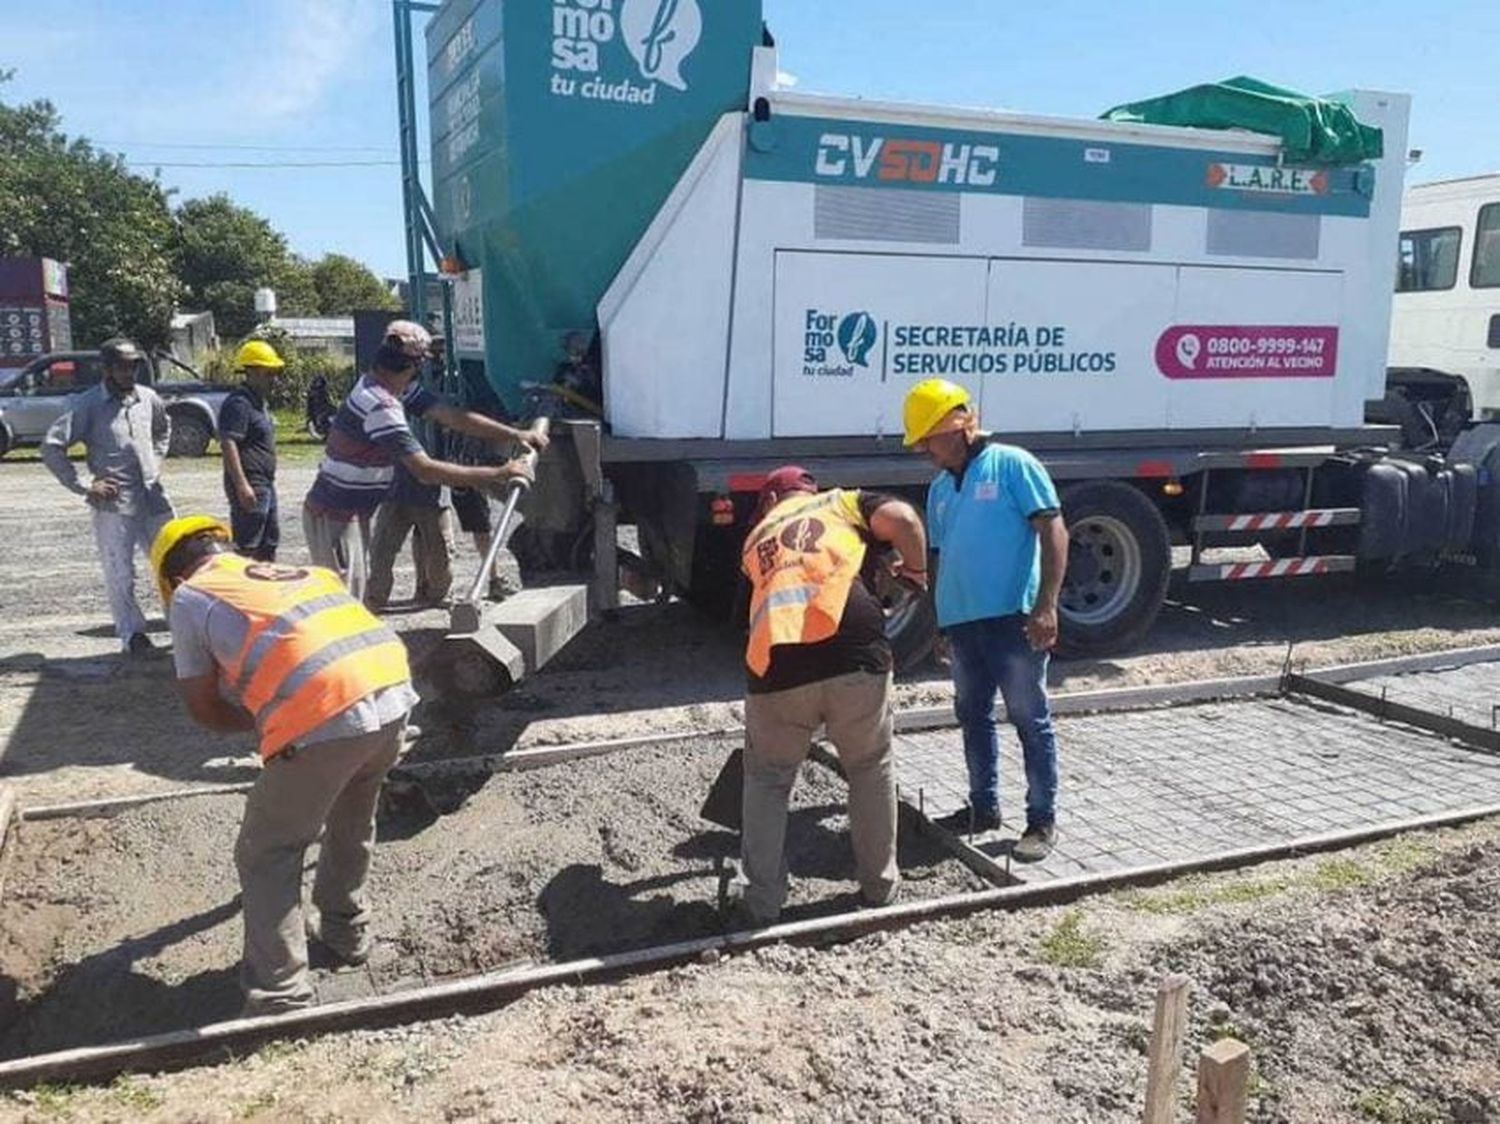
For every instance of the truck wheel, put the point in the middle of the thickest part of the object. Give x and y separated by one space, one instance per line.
190 436
1119 562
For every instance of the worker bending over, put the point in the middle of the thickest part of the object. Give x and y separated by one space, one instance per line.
370 434
818 656
1002 550
287 652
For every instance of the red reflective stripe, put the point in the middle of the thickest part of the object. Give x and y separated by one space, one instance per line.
1154 469
746 481
1263 460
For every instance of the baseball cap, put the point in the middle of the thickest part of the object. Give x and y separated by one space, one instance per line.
787 478
408 337
120 349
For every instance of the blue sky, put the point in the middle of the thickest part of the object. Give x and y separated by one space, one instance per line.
313 80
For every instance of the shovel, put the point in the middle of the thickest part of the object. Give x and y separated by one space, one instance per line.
723 804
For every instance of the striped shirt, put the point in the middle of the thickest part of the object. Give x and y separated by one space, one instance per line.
368 436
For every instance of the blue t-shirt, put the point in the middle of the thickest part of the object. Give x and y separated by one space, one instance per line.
990 556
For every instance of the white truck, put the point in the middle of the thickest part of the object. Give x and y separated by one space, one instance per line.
1184 324
1445 328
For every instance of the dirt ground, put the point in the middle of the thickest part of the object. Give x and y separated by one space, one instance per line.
575 860
78 721
1365 982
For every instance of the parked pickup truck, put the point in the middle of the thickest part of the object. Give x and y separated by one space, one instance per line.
34 396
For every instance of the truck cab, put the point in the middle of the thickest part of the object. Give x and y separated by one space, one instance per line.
1445 323
36 395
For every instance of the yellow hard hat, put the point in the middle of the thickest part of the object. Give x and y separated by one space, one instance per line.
257 353
174 532
928 403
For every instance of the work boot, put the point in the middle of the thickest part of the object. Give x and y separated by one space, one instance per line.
139 644
966 821
1036 844
348 955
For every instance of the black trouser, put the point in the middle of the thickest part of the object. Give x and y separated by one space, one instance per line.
257 533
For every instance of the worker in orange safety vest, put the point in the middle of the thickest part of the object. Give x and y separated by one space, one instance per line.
818 656
286 651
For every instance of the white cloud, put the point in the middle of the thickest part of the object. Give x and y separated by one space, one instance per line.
312 44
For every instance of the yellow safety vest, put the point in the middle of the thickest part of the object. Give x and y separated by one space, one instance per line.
311 651
802 559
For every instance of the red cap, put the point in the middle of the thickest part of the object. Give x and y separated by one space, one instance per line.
785 480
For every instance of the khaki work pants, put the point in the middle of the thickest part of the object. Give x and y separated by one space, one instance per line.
855 709
342 546
432 550
330 788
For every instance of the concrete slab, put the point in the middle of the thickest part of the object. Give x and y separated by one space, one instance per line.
1470 694
541 621
1151 787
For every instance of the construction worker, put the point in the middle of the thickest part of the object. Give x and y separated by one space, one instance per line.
370 435
125 432
288 653
423 512
247 435
1001 550
818 656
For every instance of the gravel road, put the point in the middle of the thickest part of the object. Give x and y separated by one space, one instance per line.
78 721
1365 983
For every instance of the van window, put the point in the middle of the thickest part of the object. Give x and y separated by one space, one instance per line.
1428 259
1485 272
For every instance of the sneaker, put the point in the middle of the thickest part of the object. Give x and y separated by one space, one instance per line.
966 821
139 644
1036 844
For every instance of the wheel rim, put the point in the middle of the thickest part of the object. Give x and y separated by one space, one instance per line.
1104 570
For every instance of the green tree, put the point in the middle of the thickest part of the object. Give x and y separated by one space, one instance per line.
61 198
345 286
224 253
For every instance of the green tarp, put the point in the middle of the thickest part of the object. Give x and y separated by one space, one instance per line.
1313 130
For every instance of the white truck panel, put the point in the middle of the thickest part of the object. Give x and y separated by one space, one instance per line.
1257 296
665 319
771 214
825 388
1081 315
1089 309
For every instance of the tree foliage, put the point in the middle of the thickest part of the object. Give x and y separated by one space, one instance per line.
61 198
345 286
132 261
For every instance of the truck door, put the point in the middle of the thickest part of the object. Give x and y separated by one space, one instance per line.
47 393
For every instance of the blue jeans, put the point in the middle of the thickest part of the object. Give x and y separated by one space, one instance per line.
994 655
257 533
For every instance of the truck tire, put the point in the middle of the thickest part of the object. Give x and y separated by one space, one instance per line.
1119 563
190 435
6 442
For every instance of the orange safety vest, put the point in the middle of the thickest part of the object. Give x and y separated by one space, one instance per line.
311 651
802 559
